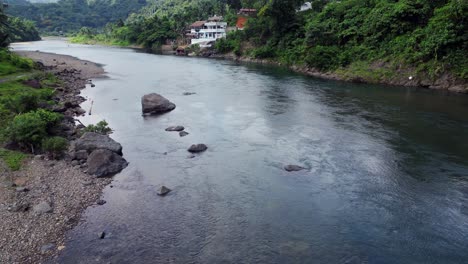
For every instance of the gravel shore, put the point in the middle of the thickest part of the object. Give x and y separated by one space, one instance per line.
39 203
87 69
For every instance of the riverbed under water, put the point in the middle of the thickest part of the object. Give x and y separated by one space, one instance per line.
387 179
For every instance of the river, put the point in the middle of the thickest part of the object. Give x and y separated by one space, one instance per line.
387 179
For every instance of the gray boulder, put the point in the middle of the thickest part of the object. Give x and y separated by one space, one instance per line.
103 163
183 134
91 141
197 148
291 168
154 104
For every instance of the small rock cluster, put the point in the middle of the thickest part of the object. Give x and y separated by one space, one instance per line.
155 104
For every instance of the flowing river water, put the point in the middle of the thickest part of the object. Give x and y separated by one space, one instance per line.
387 179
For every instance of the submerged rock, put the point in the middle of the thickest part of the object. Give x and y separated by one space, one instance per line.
91 141
163 191
183 134
291 168
197 148
153 104
175 128
103 163
188 93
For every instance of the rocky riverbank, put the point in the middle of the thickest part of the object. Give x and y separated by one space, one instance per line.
378 73
39 203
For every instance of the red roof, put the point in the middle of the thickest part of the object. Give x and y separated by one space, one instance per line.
241 21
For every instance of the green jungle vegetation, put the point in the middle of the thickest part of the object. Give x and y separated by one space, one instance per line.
374 39
25 94
13 29
68 16
24 118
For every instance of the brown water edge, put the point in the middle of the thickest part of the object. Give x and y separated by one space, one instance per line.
29 236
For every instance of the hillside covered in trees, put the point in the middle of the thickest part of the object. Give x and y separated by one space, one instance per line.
13 29
368 40
71 15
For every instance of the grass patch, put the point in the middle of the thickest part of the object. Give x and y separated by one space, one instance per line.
364 70
11 63
100 40
13 159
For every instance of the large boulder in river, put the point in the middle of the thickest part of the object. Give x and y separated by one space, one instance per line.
91 141
103 163
154 104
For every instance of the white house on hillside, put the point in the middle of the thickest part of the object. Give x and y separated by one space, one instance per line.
204 32
306 6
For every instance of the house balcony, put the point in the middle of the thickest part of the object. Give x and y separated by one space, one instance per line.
214 30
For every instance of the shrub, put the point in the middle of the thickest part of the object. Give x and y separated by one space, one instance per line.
264 52
54 146
13 159
102 127
29 129
25 99
22 103
323 57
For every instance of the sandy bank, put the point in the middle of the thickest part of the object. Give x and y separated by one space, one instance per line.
88 69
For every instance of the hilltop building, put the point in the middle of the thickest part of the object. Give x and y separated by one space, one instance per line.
206 32
304 7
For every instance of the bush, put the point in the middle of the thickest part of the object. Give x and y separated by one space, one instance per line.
13 159
101 127
29 129
19 98
323 57
231 43
54 146
264 52
22 103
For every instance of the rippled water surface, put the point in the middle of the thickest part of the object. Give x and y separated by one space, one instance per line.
388 177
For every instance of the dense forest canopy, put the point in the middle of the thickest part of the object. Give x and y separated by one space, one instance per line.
71 15
14 29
